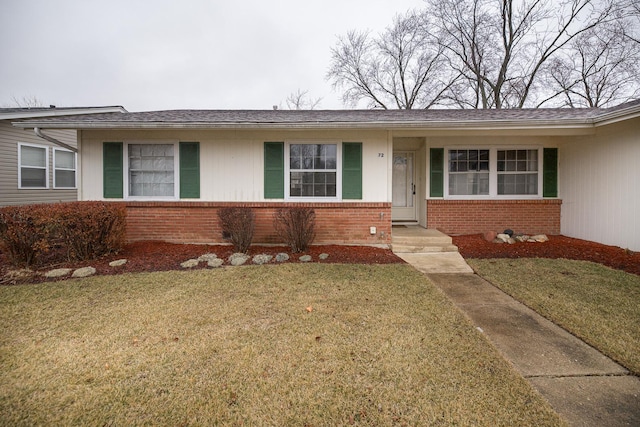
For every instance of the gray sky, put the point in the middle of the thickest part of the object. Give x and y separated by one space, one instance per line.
161 54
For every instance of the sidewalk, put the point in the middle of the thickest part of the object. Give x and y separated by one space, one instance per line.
581 384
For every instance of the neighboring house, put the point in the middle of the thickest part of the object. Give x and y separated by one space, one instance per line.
557 171
32 169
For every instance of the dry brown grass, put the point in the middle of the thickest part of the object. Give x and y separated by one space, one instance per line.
272 345
594 302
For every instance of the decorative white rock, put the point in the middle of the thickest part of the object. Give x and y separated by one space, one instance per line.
118 263
305 258
323 256
215 263
190 263
84 272
282 257
238 259
262 259
207 257
58 272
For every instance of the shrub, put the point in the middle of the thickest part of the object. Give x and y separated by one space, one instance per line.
296 226
238 225
90 229
25 233
81 230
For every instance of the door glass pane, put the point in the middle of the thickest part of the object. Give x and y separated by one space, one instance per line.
399 180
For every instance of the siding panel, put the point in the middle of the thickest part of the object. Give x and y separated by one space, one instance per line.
9 192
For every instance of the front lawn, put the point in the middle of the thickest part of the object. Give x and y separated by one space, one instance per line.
596 303
272 345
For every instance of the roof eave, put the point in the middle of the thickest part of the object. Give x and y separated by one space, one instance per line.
413 125
55 112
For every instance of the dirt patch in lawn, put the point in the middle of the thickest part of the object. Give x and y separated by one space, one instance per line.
475 246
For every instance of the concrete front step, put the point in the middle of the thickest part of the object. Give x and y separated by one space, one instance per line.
414 249
415 239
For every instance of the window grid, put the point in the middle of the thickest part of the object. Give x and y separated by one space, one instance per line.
469 172
517 172
312 170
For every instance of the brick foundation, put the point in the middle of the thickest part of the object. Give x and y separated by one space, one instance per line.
197 222
457 217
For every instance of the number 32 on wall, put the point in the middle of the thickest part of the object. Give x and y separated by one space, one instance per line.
380 154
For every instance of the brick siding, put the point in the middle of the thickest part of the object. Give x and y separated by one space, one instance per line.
457 217
197 222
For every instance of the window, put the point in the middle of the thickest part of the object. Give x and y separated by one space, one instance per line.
34 166
151 170
64 169
313 170
517 171
468 172
492 172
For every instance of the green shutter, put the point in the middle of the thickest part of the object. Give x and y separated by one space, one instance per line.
274 170
550 172
352 170
436 167
189 170
112 170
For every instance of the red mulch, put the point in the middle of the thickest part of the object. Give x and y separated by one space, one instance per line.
161 256
475 246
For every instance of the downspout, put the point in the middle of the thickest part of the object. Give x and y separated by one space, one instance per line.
53 140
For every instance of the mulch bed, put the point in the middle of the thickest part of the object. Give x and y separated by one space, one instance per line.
475 246
162 256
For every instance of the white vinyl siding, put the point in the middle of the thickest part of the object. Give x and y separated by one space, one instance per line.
232 162
33 166
64 168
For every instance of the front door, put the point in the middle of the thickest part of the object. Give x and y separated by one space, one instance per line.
404 190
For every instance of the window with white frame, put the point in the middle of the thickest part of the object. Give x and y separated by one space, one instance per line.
64 168
33 170
151 170
518 172
468 172
313 170
491 172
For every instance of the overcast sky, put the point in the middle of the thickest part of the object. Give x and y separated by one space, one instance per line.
160 54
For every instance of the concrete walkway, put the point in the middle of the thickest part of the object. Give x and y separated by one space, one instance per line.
581 384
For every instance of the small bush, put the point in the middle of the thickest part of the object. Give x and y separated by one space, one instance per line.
238 225
77 231
296 226
90 229
25 233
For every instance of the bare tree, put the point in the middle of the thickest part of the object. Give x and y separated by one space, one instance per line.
400 68
30 101
600 70
300 100
501 47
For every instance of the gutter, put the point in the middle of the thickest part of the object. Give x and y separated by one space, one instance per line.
39 133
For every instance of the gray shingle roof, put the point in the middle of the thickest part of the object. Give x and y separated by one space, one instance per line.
334 118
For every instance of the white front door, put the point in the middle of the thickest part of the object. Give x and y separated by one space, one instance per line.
403 207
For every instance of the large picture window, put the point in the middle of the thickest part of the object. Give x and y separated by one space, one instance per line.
34 166
64 169
313 170
151 170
